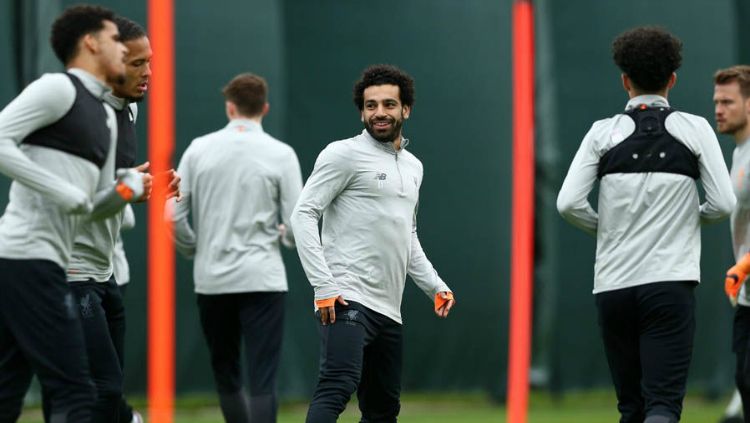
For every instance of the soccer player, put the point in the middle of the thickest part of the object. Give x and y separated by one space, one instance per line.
57 140
90 271
647 159
732 110
237 183
366 190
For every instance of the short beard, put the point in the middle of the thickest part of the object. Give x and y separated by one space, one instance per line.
390 136
733 129
135 99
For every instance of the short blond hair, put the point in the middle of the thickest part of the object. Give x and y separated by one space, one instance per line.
739 74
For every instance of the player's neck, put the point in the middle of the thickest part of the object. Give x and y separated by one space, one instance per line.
741 136
87 64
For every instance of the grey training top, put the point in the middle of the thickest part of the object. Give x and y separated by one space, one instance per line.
740 221
366 193
236 183
47 182
94 246
648 225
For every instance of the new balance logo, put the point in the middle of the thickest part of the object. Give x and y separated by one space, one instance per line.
380 177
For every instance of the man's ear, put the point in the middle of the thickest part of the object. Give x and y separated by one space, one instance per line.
90 43
407 112
626 84
672 81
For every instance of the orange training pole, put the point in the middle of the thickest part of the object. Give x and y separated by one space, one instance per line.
161 344
522 250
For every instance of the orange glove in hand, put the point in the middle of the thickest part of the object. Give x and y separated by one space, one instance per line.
736 277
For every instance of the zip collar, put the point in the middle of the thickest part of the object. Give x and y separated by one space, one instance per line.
116 102
647 99
95 86
244 125
385 146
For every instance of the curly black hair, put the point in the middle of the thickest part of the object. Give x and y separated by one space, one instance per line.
382 75
129 30
648 56
75 22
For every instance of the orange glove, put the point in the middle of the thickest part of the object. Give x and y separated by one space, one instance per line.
736 277
439 301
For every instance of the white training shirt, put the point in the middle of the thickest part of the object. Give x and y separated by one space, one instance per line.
366 192
648 224
238 184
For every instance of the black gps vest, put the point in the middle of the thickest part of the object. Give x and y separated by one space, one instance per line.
127 142
650 148
83 131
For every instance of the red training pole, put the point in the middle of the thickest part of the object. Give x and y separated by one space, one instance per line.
161 266
522 250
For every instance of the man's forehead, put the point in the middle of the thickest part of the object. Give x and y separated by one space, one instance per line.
139 45
381 92
732 87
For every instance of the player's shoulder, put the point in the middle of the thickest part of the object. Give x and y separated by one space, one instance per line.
410 157
54 86
198 144
340 147
686 117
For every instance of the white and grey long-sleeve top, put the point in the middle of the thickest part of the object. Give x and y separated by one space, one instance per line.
740 220
94 248
648 222
366 192
237 184
55 137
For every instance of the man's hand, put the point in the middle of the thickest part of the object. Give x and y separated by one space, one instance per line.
328 312
443 303
173 185
733 282
736 277
148 182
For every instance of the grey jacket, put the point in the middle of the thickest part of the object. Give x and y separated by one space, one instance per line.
238 184
366 192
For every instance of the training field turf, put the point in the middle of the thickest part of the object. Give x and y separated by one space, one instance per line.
588 407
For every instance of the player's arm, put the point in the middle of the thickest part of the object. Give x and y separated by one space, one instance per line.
329 177
42 103
290 187
715 179
426 277
572 201
178 210
736 276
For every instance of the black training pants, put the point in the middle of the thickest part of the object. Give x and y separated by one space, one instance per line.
40 333
257 320
741 348
361 351
103 321
648 337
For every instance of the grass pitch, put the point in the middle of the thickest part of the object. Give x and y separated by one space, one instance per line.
582 407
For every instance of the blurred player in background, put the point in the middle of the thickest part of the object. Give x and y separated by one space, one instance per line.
648 225
732 112
240 186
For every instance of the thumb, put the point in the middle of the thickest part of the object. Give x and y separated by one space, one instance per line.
341 300
143 167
